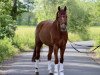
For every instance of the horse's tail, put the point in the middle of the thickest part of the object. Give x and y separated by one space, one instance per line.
34 55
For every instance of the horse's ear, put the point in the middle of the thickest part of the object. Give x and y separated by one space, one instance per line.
65 8
58 8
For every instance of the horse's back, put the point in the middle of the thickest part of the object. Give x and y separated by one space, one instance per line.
43 32
44 25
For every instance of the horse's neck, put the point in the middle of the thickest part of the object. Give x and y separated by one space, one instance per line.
56 26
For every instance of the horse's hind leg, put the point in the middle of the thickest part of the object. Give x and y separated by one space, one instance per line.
49 60
38 47
34 55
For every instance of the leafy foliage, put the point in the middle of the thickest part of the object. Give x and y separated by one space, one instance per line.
7 30
7 25
96 14
78 19
6 49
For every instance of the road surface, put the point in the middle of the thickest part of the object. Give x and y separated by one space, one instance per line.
75 63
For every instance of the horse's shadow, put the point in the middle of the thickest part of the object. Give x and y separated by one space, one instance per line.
37 73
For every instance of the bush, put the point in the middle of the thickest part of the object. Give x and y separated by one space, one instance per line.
6 49
24 38
7 26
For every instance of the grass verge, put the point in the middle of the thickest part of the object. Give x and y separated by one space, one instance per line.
24 38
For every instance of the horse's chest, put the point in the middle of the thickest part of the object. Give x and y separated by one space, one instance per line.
62 41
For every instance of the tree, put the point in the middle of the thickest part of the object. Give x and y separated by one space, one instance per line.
29 9
14 10
25 12
7 24
46 9
78 18
21 8
96 14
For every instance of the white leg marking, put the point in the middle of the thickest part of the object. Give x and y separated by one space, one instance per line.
50 66
36 65
61 70
56 69
61 67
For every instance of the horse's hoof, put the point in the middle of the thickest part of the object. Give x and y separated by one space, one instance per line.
50 73
33 60
37 73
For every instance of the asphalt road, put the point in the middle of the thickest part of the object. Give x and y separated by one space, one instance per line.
75 63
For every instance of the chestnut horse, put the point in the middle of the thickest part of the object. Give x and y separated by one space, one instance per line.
53 34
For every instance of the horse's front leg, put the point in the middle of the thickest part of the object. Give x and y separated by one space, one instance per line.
56 60
61 69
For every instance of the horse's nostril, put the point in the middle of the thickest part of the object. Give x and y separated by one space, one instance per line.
63 29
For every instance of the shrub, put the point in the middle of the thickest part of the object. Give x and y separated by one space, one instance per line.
6 49
7 26
24 38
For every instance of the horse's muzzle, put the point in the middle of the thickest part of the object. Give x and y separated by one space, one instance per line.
63 27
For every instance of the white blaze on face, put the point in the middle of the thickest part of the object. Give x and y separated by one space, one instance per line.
62 19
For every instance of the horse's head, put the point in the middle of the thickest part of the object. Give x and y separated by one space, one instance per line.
61 17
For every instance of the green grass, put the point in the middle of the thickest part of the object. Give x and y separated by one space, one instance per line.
24 37
94 33
74 37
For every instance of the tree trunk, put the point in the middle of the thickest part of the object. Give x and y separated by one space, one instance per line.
14 10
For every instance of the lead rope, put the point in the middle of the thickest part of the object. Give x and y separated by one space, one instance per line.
96 47
92 51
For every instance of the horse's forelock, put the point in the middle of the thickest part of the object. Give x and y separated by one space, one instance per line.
62 12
